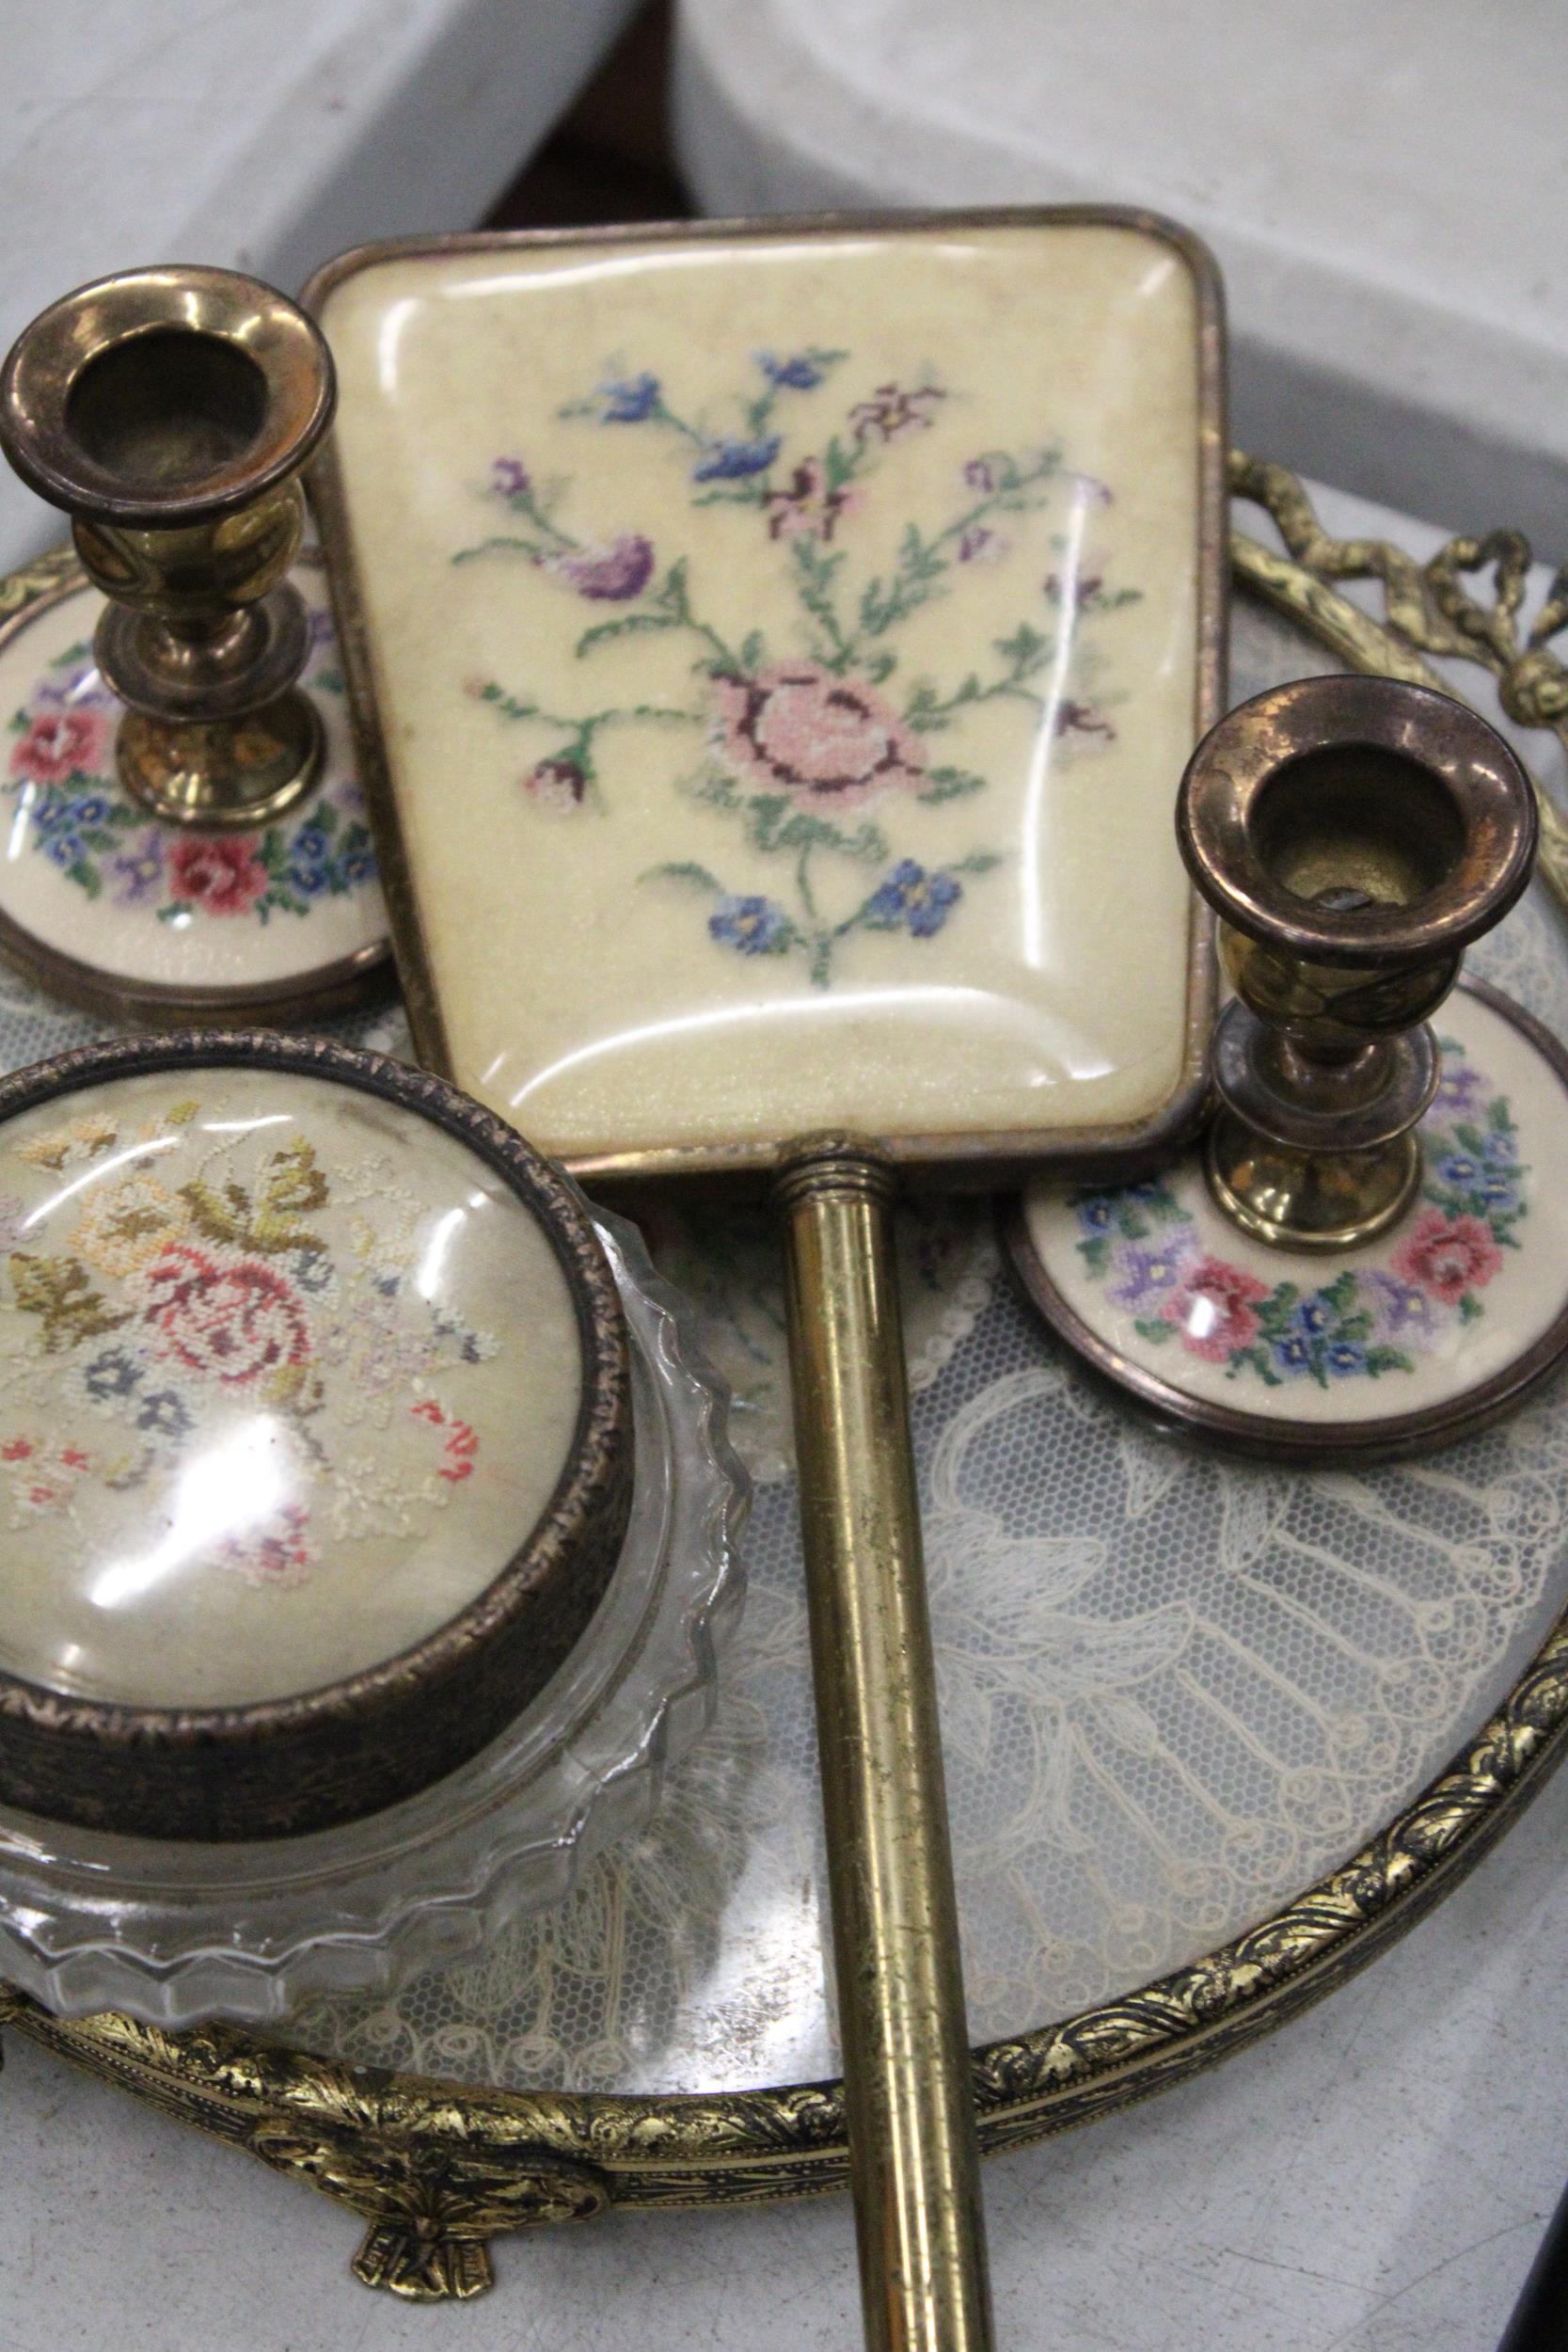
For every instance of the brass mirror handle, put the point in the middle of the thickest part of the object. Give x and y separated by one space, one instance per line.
1354 835
908 2091
169 412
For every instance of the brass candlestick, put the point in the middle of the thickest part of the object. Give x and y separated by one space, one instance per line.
1366 1257
1353 837
170 412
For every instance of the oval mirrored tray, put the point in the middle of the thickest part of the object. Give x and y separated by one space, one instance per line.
1215 1734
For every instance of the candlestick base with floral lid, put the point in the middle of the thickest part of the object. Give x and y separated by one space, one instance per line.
183 832
1363 1260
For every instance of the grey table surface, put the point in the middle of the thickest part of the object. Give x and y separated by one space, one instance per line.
1371 2178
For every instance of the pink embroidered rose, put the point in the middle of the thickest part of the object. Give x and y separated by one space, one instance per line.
231 1321
830 741
223 876
60 743
608 575
1213 1310
558 784
1447 1256
807 509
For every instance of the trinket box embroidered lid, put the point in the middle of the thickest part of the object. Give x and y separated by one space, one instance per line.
314 1435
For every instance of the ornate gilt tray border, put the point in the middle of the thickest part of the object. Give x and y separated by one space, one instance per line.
437 2168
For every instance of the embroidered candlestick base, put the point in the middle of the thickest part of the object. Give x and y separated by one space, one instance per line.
1363 1259
184 837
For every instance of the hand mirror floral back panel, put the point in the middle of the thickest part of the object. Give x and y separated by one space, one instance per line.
786 646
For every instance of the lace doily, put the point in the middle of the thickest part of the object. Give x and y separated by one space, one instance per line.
1174 1688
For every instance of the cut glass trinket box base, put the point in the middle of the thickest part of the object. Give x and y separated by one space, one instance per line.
174 1934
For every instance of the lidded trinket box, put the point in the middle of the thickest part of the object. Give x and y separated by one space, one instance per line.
315 1433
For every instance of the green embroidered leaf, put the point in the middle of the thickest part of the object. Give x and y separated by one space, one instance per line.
685 869
1470 1309
1096 1253
630 624
86 876
224 1216
1150 1329
59 1292
951 783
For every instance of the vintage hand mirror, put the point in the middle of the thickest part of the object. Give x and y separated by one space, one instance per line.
184 837
776 648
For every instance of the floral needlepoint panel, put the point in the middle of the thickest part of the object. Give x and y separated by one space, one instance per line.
786 651
91 874
1472 1274
262 1344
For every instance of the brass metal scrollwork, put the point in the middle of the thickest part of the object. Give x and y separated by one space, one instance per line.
1428 608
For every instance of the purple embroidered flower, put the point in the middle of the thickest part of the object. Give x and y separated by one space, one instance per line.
1403 1312
757 927
1144 1271
318 629
799 372
890 412
1096 492
628 399
1081 589
735 461
138 869
608 575
1083 719
1459 1090
509 478
911 897
980 546
1501 1147
980 474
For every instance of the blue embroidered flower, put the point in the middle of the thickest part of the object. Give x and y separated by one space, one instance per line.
1496 1192
313 1270
1501 1146
1345 1358
1292 1355
628 399
757 927
1460 1170
356 856
1313 1316
75 810
65 849
165 1413
734 461
911 896
1096 1212
798 373
113 1375
311 860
